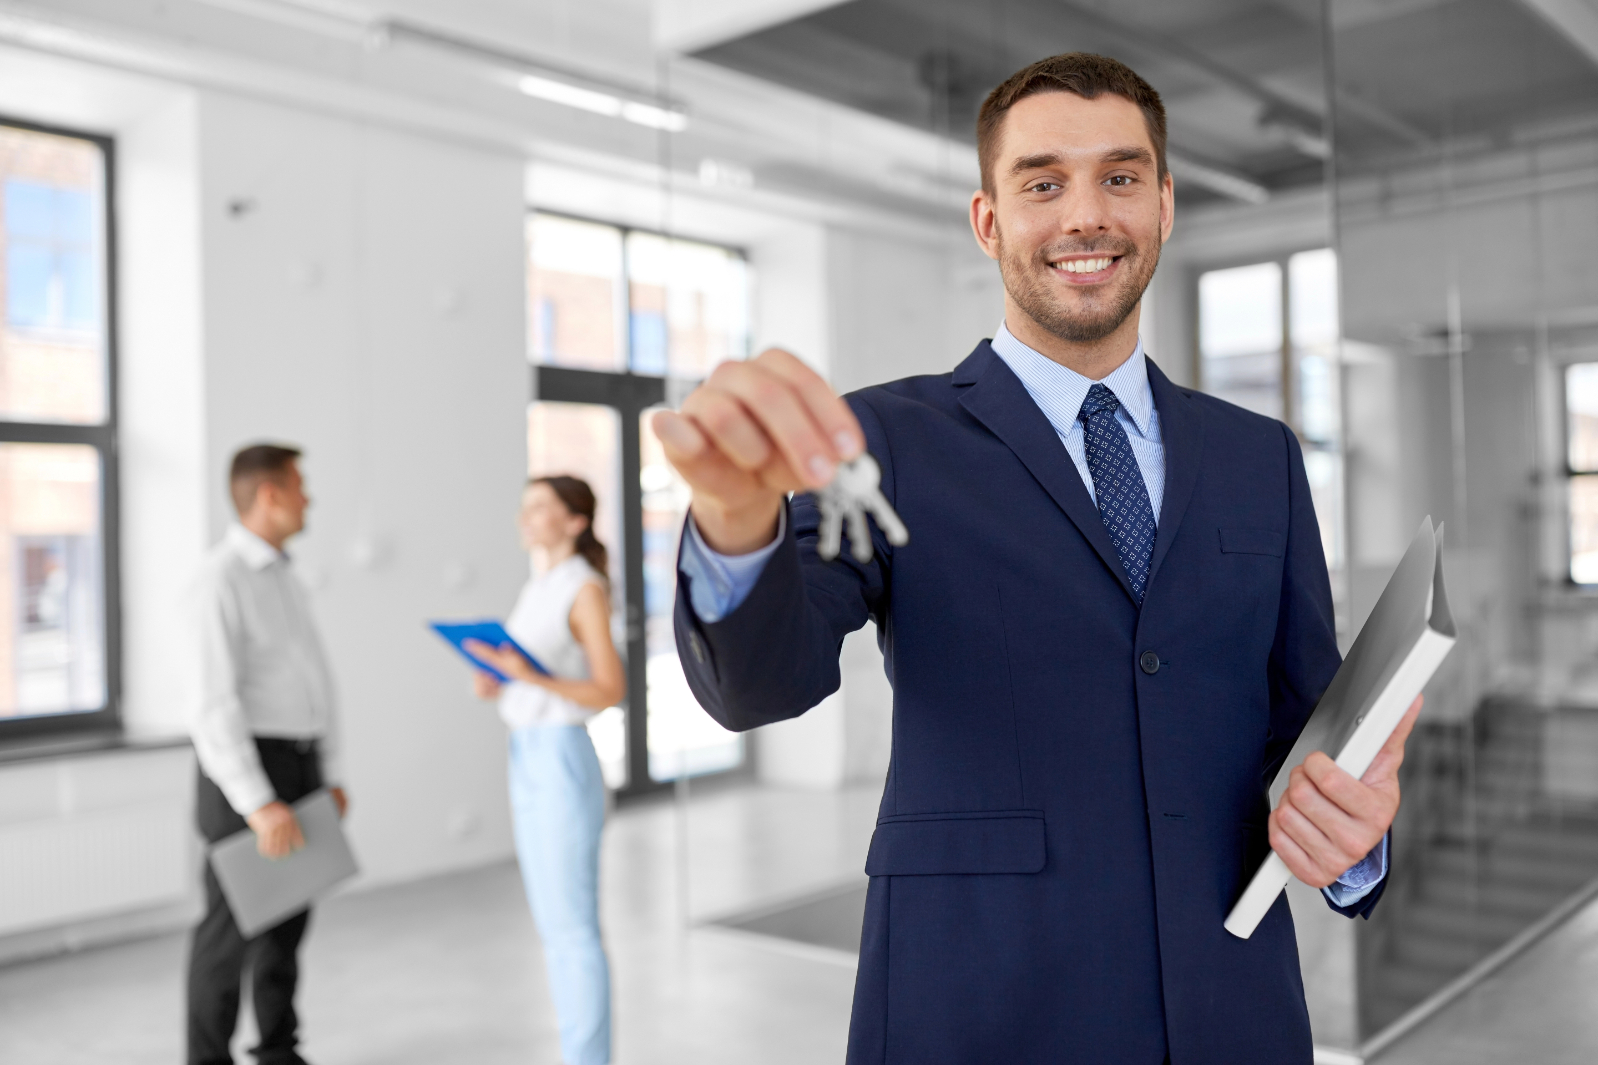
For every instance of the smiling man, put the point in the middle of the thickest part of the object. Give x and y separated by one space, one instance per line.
1108 628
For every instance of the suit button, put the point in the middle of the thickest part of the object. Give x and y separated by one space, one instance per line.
1149 661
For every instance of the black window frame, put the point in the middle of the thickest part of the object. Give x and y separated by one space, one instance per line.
629 394
103 438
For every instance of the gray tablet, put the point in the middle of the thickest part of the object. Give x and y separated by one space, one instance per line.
262 892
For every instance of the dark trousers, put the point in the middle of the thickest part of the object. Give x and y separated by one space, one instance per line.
218 952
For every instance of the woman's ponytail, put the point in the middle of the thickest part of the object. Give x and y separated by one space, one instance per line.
578 498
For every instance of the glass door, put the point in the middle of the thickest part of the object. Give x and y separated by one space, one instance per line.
613 314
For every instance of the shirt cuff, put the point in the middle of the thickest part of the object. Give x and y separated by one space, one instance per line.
1361 880
718 584
248 793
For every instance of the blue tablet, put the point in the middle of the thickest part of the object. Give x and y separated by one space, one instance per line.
490 632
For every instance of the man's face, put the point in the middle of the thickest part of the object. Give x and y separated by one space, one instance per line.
287 500
1078 212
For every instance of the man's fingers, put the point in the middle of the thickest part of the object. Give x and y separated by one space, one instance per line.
780 410
838 423
678 435
1344 829
1357 799
1391 756
1293 856
730 425
707 469
1321 852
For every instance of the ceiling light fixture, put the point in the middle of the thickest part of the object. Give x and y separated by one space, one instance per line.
602 103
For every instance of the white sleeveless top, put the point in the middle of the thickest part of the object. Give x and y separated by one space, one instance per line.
541 622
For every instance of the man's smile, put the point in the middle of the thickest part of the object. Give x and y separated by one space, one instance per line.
1086 269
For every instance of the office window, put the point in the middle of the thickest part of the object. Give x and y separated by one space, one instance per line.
613 313
1581 459
57 474
605 298
1268 335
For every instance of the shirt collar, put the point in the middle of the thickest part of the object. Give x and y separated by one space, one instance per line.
256 552
1060 390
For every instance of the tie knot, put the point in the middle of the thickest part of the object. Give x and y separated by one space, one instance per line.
1099 398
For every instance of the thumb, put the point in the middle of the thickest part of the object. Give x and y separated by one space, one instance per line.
1385 765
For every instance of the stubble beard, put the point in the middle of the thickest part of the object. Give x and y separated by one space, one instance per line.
1030 285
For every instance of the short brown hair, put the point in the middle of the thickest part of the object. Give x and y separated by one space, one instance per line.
1082 73
253 465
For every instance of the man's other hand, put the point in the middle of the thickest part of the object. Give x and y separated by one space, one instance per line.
753 432
277 830
1327 822
341 800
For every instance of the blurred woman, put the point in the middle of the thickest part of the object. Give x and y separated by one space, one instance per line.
562 618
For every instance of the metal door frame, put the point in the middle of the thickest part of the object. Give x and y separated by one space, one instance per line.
628 394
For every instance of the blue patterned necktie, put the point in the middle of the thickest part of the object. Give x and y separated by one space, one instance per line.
1123 498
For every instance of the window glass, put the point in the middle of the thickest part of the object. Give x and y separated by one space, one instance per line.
52 331
1240 336
52 602
1584 529
584 440
1581 427
689 305
1581 416
576 308
683 739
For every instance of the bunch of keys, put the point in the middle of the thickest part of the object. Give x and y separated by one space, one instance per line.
854 490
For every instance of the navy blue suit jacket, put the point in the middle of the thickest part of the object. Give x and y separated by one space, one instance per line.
1062 831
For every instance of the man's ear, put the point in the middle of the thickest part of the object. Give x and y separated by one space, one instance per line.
1167 207
984 224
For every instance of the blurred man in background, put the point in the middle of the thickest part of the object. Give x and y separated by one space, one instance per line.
265 732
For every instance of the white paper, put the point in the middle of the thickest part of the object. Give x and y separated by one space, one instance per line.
1404 640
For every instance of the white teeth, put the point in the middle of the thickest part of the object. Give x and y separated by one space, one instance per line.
1084 266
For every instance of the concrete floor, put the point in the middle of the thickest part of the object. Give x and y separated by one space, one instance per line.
447 970
1538 1008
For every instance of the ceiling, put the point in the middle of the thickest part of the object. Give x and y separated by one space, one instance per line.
1244 81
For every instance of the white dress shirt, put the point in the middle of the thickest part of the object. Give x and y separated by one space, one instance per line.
263 671
1059 391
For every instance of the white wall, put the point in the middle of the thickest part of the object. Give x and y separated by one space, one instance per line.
368 306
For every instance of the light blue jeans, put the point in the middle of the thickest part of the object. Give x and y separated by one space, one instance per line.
558 804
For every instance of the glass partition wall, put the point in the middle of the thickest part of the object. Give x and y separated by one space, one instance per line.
1465 192
619 322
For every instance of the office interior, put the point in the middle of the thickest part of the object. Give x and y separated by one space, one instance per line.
443 244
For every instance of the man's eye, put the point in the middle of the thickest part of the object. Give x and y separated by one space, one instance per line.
1120 180
1043 186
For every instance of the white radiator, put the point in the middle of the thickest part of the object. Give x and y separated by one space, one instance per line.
92 836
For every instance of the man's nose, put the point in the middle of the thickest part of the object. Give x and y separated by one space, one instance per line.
1083 211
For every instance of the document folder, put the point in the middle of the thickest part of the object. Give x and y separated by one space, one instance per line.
262 892
489 632
1404 640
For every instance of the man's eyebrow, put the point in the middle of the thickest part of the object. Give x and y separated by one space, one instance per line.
1034 162
1132 153
1135 153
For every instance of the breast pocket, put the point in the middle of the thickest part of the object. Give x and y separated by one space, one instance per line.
987 841
1246 540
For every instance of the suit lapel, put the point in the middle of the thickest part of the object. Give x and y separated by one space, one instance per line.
1182 436
999 400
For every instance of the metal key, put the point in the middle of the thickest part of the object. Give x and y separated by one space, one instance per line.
854 491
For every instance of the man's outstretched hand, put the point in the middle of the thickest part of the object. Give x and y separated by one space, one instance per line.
1327 821
749 435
